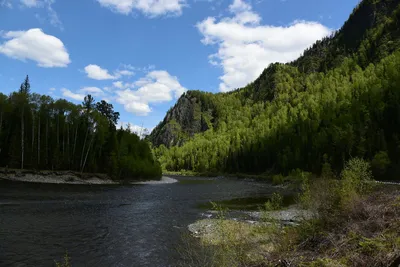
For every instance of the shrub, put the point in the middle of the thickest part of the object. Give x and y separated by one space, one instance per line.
305 197
326 168
298 175
380 163
320 196
65 263
356 180
278 179
275 203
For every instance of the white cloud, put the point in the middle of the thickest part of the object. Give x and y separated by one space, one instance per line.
152 8
6 3
139 130
47 50
158 86
239 6
155 87
47 4
80 94
118 84
30 3
245 47
69 94
138 108
120 73
97 73
94 91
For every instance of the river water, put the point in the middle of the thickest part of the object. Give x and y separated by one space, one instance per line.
138 225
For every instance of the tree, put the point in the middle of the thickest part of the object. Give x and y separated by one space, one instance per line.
56 134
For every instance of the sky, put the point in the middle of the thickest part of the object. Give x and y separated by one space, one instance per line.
142 55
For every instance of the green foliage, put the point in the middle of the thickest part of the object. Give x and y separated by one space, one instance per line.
65 263
356 180
275 203
339 100
38 132
372 245
278 179
320 196
305 197
298 176
380 163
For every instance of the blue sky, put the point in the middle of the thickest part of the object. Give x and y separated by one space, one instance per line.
141 55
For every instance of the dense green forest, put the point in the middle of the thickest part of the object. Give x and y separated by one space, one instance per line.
38 132
340 99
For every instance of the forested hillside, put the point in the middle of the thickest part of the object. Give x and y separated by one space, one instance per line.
341 99
38 132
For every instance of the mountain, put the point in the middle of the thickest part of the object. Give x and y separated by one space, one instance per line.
337 100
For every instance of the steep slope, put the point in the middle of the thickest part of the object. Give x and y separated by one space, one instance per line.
336 101
193 113
370 34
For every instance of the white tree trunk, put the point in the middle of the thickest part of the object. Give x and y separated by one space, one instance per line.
33 135
76 135
38 138
1 125
22 139
47 142
83 149
87 153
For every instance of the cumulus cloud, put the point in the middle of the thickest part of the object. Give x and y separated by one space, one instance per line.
80 94
151 8
47 50
155 87
69 94
96 72
30 3
118 84
139 130
245 47
94 91
120 73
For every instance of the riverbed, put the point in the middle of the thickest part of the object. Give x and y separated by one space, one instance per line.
107 225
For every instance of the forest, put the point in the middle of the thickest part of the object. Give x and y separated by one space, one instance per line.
40 133
339 100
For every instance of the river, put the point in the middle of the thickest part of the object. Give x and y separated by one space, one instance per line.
137 225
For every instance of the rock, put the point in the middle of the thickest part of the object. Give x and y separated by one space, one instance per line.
191 114
292 214
69 179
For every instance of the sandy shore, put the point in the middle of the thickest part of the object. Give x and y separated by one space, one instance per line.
55 179
49 177
164 180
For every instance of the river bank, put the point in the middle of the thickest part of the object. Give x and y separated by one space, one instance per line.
69 177
365 232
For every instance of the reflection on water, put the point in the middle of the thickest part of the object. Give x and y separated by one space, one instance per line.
105 225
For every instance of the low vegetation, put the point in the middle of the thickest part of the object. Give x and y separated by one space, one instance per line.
354 223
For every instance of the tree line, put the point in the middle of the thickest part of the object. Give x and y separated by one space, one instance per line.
313 119
38 132
339 100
